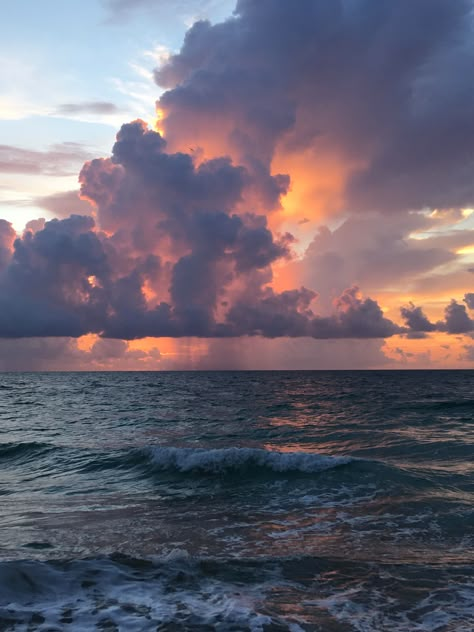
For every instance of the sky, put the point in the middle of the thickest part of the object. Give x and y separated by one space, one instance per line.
260 184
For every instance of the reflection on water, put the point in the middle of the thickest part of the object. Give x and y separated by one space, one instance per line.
331 501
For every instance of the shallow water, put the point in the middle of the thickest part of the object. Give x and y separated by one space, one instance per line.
237 501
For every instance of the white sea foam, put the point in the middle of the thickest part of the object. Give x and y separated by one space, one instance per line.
177 591
129 595
228 459
451 608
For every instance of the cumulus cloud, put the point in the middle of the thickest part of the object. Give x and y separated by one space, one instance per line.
469 300
169 223
181 240
44 289
416 320
457 320
177 255
380 83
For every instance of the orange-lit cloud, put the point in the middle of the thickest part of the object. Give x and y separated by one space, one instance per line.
293 158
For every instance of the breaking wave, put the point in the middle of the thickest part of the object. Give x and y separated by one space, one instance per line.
240 459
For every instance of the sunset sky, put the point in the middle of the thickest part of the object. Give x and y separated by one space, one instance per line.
267 184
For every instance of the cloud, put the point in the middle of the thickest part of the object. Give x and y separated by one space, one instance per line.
35 225
171 228
457 319
40 354
388 98
7 237
469 300
182 240
377 253
119 9
65 354
120 6
63 204
62 159
88 107
416 319
43 288
355 317
69 354
170 223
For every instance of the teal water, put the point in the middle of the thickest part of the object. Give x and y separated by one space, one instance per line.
255 501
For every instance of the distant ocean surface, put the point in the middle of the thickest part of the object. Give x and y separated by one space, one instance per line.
233 501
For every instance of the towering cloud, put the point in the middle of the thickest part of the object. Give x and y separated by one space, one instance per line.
188 223
381 84
179 255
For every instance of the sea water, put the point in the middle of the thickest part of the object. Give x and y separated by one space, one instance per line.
331 501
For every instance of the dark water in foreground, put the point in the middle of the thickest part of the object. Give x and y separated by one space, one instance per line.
237 501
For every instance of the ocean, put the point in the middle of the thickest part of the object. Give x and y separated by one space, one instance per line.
233 501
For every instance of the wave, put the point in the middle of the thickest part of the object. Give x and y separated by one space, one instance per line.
176 591
220 460
17 449
173 591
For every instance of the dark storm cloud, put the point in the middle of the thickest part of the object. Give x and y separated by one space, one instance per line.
60 160
355 317
289 314
457 320
384 82
59 282
44 290
416 320
171 226
88 107
67 278
469 300
274 315
179 243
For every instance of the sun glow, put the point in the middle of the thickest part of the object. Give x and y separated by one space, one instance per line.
466 250
157 121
